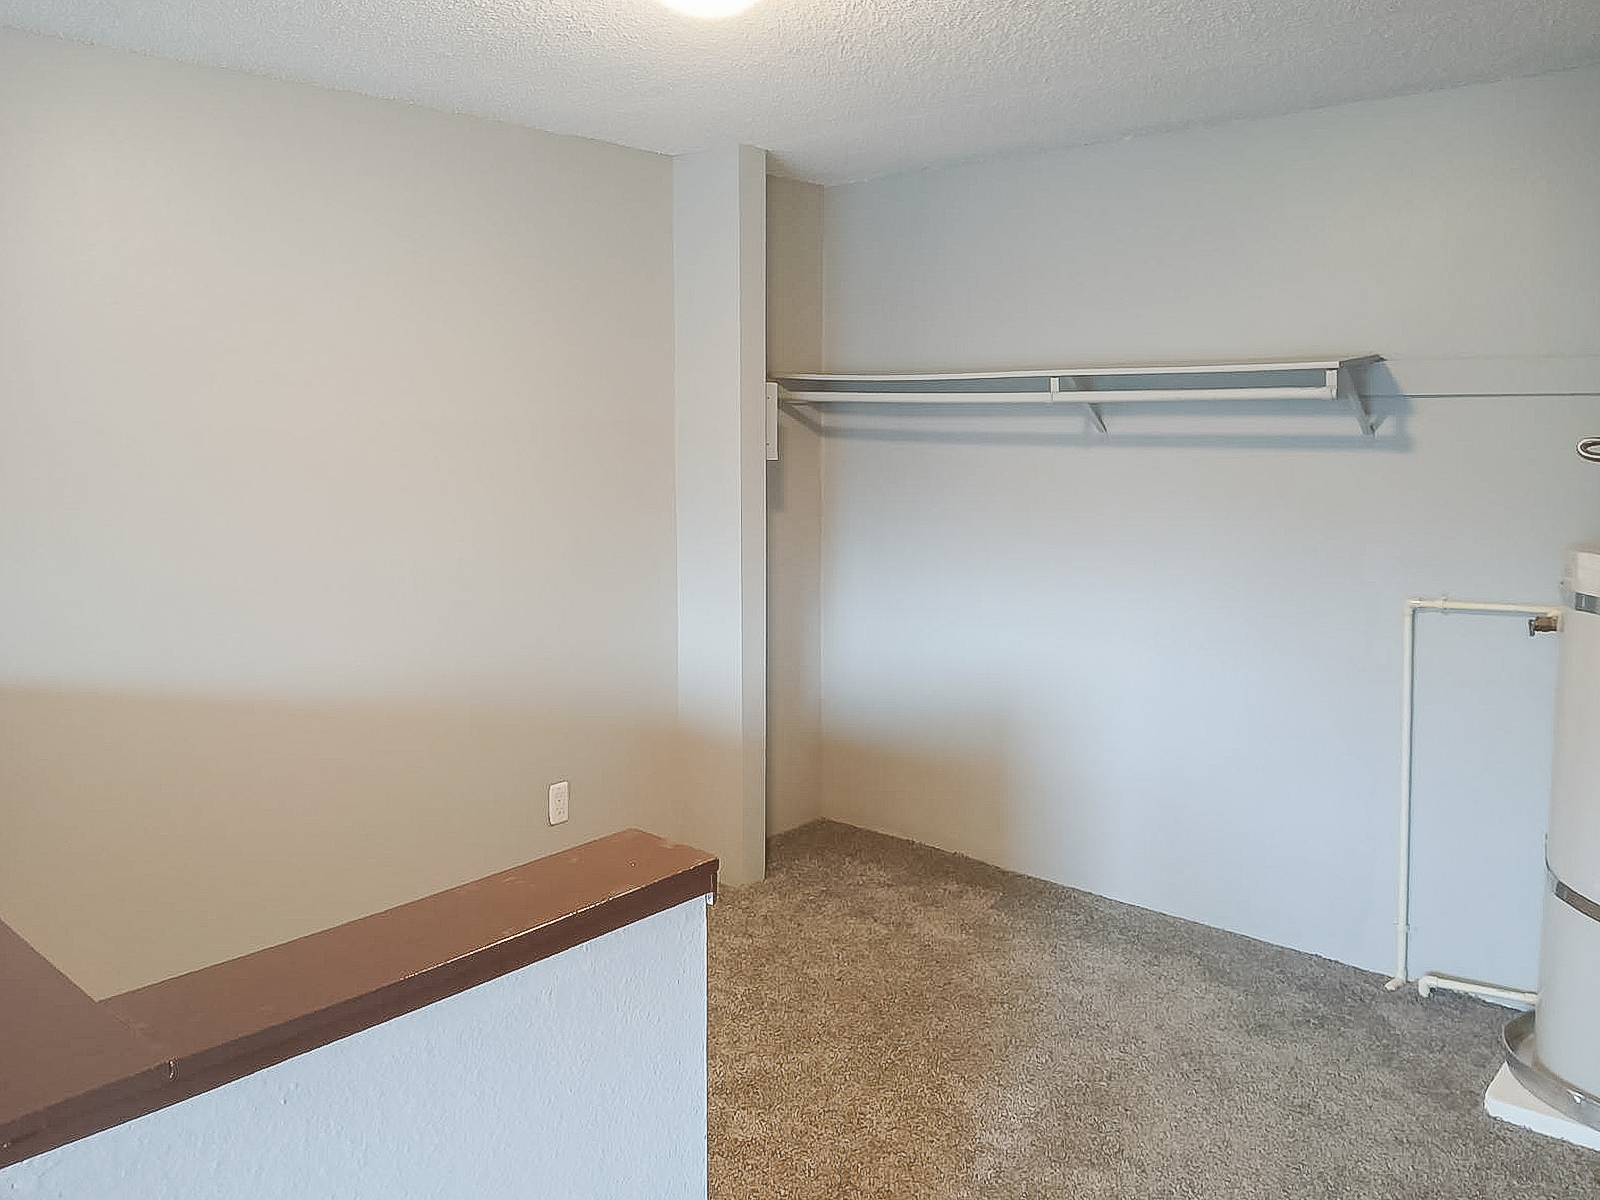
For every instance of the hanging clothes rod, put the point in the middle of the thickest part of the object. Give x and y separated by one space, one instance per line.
1337 380
1058 395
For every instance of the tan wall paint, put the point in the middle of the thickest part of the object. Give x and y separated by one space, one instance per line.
336 503
794 507
165 832
794 275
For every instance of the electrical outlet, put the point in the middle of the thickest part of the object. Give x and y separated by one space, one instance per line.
560 797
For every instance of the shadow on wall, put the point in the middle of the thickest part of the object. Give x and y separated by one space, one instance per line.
151 835
983 786
956 796
794 626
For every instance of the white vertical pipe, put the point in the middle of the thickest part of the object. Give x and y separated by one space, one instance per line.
1413 606
1402 926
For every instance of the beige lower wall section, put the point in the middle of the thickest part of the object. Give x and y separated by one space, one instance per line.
147 836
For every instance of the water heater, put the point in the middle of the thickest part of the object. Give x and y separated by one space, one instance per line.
1568 1020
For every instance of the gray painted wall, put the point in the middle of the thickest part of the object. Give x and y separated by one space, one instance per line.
1166 667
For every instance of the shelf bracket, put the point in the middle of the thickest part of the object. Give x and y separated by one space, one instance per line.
770 419
1343 386
1089 406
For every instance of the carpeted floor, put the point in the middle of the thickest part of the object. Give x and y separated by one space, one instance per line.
892 1021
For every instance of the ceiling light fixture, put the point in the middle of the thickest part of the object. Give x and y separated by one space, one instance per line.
709 9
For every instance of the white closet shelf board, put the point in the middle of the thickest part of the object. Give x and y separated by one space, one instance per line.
1338 380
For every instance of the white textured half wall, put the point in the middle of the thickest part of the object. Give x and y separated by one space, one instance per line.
580 1076
1164 666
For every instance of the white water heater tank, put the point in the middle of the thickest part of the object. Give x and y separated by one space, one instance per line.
1569 951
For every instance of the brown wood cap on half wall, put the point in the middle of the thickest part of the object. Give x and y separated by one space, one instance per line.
71 1066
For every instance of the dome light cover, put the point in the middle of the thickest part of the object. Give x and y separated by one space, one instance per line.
709 9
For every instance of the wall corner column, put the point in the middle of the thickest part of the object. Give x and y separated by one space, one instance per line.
719 278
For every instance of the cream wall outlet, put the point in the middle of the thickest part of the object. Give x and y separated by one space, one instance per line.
560 795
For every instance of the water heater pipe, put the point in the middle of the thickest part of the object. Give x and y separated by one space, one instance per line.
1402 925
1429 983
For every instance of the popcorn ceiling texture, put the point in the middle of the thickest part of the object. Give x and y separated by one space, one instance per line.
842 90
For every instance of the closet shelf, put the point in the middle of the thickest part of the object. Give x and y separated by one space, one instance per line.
1337 381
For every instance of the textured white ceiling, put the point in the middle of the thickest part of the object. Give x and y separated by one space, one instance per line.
848 89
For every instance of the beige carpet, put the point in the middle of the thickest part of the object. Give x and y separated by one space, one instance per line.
888 1020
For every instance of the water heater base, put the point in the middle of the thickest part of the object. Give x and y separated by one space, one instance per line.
1508 1100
